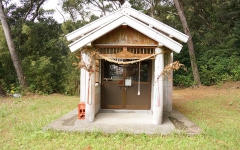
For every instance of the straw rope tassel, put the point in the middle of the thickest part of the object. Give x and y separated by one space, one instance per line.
158 99
88 102
139 79
158 95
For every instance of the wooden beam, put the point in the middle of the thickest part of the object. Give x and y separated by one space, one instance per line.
124 45
126 56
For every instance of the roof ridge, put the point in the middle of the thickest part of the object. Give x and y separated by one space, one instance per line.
126 4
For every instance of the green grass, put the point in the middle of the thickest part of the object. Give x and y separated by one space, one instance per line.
22 120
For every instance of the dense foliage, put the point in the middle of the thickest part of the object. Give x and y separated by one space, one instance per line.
47 61
42 48
215 29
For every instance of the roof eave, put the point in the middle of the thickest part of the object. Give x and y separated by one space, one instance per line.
132 22
91 26
159 25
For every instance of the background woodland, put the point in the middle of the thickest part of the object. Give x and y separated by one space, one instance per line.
46 60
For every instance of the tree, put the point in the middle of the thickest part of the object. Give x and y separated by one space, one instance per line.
179 7
2 92
16 61
214 55
120 1
83 9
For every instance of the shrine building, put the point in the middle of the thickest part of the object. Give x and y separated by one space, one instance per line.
122 57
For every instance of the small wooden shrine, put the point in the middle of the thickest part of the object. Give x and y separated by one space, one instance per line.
122 57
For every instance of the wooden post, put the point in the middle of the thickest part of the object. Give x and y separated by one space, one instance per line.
158 89
90 102
83 82
167 86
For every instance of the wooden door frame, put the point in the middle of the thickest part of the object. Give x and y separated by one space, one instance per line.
124 91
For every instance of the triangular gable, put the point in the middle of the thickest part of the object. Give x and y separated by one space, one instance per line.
124 36
137 25
132 18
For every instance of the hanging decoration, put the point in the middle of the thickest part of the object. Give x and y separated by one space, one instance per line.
139 78
176 65
89 90
93 54
90 69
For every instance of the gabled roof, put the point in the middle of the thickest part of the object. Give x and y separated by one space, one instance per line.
135 19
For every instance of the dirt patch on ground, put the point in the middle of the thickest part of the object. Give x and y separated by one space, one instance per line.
181 95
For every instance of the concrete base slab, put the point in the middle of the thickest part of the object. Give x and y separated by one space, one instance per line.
183 124
124 121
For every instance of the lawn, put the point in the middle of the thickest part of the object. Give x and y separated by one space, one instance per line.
216 111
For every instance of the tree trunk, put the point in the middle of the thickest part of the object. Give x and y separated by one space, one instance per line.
179 7
152 9
13 53
2 92
120 1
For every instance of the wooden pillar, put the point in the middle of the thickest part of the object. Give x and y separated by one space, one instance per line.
167 86
87 91
158 88
83 82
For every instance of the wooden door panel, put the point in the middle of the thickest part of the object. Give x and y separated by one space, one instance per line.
135 101
112 96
